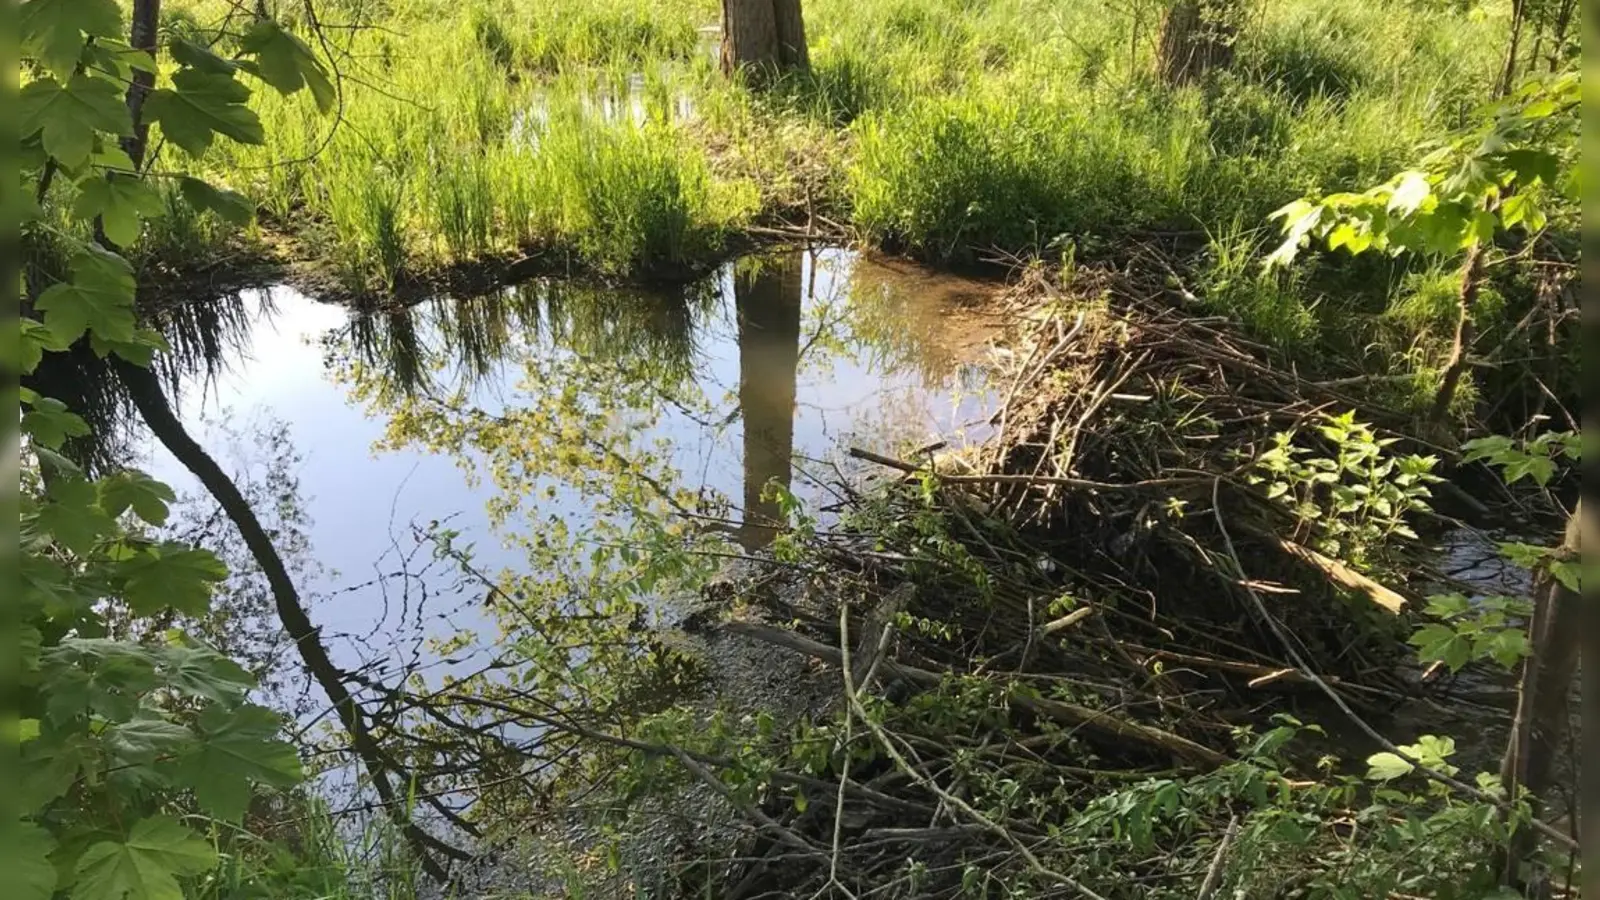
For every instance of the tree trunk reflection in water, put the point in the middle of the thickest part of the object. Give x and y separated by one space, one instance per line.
768 300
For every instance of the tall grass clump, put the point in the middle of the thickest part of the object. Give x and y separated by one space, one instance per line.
1269 304
625 196
367 208
564 35
944 177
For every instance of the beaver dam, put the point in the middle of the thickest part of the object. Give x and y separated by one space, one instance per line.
1087 658
1147 634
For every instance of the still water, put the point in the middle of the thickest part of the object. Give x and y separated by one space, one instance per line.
548 422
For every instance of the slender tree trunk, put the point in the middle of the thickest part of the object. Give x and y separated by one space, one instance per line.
768 304
1471 281
1542 717
1196 37
142 35
763 37
1508 72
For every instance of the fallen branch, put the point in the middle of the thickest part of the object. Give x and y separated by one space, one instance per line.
1083 483
1066 713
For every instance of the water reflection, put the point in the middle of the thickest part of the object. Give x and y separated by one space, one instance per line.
587 445
768 302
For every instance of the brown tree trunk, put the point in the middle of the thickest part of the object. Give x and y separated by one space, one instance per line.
792 51
1542 692
763 37
142 35
1196 37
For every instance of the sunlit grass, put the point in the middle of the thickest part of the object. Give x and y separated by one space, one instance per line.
601 130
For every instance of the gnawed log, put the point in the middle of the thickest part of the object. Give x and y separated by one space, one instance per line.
1346 577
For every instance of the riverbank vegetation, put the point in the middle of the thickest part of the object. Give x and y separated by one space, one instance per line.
1177 629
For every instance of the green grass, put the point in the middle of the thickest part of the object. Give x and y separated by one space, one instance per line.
943 128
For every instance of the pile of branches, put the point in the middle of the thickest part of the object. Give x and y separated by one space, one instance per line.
1096 599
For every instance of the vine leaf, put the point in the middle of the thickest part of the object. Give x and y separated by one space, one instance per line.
201 105
67 116
25 858
284 61
236 749
121 202
52 30
142 867
230 206
99 299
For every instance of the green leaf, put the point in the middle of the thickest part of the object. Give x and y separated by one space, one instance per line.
122 202
25 859
1441 643
99 298
48 767
1532 166
146 737
1411 190
229 206
201 105
119 58
52 31
34 341
188 53
50 424
237 749
147 497
67 117
171 575
203 672
71 515
1386 767
143 866
284 61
